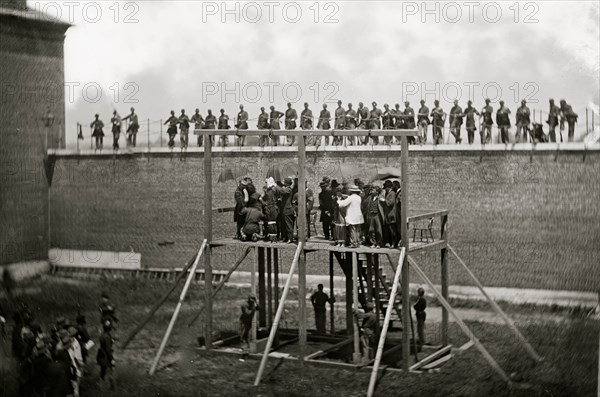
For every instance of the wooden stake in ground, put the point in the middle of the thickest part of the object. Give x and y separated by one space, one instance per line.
286 290
178 308
386 324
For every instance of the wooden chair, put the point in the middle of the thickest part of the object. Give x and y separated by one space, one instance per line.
424 230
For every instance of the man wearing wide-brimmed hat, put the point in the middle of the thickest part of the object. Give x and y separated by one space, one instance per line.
327 206
354 216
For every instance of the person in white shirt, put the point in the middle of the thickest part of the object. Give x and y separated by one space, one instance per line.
354 216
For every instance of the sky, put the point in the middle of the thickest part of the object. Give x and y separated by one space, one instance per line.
170 55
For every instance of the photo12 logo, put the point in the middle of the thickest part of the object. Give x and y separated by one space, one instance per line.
268 91
469 11
87 11
269 11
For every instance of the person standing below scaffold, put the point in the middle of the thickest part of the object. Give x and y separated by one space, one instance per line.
375 122
470 113
354 216
223 125
116 129
290 123
198 121
105 356
485 130
423 122
568 115
340 122
249 309
439 119
323 123
241 124
184 129
553 114
97 132
456 120
133 128
306 122
523 121
263 124
367 329
172 130
420 307
503 121
319 301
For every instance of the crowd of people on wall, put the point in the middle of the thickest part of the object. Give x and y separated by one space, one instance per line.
351 214
361 118
52 361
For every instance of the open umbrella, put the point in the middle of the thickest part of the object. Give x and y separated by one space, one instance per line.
232 174
387 173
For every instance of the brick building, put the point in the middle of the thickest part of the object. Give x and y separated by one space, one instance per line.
32 111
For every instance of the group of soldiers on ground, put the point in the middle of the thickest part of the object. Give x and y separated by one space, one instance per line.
53 363
363 119
351 215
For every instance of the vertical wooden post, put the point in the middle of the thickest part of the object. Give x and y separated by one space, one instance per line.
356 356
262 314
444 269
331 295
208 226
302 240
269 289
405 269
375 263
369 278
276 287
253 292
349 293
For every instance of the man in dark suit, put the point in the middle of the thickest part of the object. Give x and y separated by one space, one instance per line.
290 122
241 124
286 211
389 201
327 206
568 115
503 121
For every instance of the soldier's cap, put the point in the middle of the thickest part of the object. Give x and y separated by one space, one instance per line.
420 291
262 108
326 179
374 103
385 105
523 101
487 100
456 101
469 102
114 112
339 102
388 183
197 110
551 100
172 112
349 104
436 101
305 103
324 105
406 103
272 107
323 184
182 110
501 102
422 100
241 106
96 115
132 109
289 104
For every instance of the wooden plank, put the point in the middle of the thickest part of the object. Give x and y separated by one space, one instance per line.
254 327
286 290
498 310
466 346
269 288
438 362
405 265
444 278
427 215
431 357
486 355
262 291
329 349
356 357
208 230
386 323
302 227
186 286
331 295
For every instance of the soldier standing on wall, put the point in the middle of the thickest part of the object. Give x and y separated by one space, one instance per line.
439 119
172 130
290 122
340 122
116 129
184 129
306 122
568 115
274 117
423 122
351 121
456 120
97 132
263 124
523 121
133 128
552 121
408 116
224 125
363 120
375 122
470 113
323 123
198 121
503 121
210 123
242 124
485 132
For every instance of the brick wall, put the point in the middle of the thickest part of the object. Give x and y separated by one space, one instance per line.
517 221
31 83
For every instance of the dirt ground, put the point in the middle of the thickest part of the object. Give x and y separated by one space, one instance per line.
569 347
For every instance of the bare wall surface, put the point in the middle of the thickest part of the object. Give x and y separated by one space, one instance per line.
518 219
